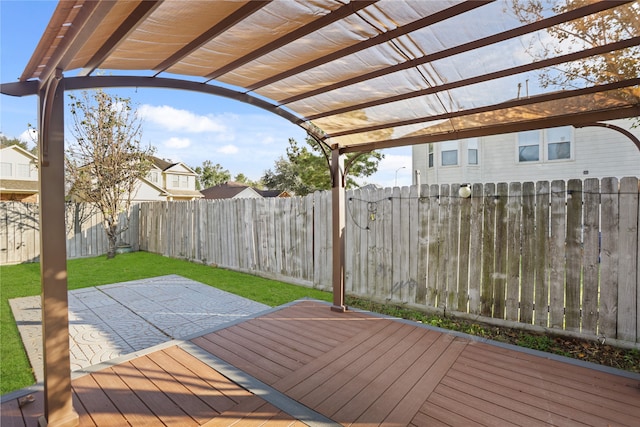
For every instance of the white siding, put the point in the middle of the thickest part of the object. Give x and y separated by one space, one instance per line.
247 193
596 153
148 193
19 161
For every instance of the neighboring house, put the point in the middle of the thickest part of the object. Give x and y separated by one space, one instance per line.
168 181
18 175
237 190
549 154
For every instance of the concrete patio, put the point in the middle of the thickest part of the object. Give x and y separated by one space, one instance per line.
106 322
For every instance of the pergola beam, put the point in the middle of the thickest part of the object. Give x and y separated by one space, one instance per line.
544 123
89 16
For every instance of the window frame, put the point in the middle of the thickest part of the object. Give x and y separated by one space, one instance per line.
545 143
519 145
548 142
443 151
476 143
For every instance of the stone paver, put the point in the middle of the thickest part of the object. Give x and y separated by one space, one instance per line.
109 321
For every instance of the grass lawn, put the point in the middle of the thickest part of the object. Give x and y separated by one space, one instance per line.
24 280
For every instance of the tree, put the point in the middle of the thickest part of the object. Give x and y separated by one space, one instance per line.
242 178
106 160
8 142
594 30
211 174
304 170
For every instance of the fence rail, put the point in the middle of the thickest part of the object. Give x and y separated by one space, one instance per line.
558 255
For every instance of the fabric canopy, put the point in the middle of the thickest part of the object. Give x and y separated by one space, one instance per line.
371 74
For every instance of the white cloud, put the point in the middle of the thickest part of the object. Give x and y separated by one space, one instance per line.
174 119
267 140
228 149
175 142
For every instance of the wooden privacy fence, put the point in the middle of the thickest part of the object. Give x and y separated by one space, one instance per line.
272 237
554 254
20 234
560 255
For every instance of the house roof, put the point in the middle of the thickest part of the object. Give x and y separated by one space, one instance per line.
183 193
273 193
161 163
21 150
165 165
380 74
226 190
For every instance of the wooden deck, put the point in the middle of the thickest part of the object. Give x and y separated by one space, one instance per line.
304 364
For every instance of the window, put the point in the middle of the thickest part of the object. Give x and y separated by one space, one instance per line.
5 169
430 155
184 181
555 143
175 181
529 146
449 151
472 151
23 170
154 177
559 143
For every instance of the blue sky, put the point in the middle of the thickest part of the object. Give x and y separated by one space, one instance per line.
183 126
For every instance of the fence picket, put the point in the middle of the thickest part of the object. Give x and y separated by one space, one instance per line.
396 290
434 254
475 248
590 255
386 261
488 249
465 255
541 264
574 255
443 247
528 253
500 273
557 254
410 235
514 205
628 260
453 239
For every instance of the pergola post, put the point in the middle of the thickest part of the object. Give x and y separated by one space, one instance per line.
58 404
338 227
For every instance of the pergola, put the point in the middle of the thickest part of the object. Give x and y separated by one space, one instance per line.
357 76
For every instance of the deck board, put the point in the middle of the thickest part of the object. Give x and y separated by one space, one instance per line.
305 362
595 402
